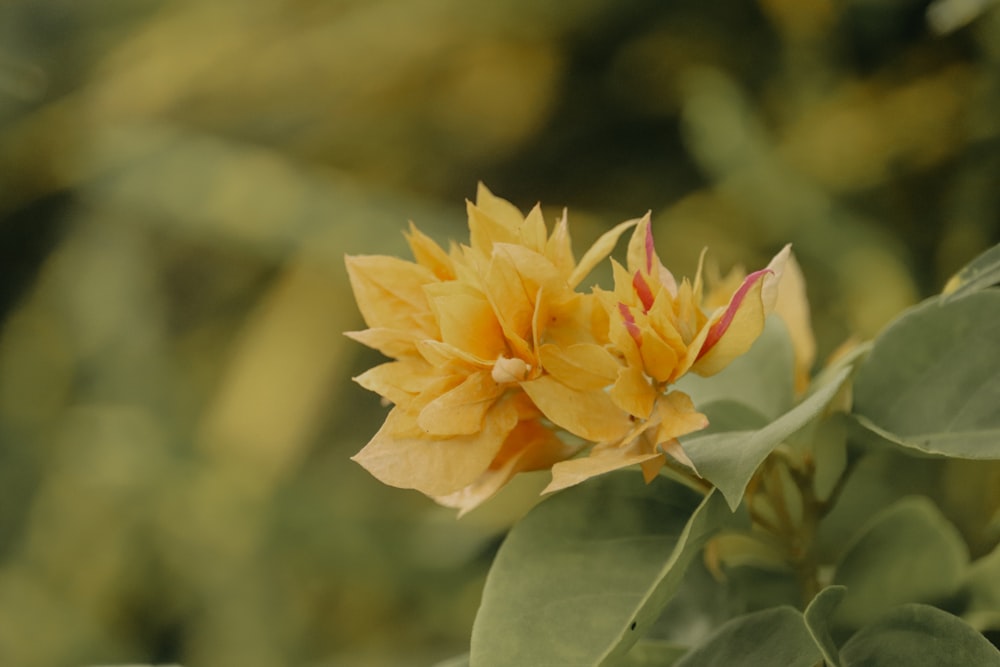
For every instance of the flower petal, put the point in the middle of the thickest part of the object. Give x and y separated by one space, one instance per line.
461 410
597 252
466 319
633 393
390 342
389 290
732 333
559 247
435 466
677 416
485 230
641 251
429 254
532 232
591 415
659 359
398 381
792 307
512 303
740 324
601 460
580 366
642 258
446 357
530 446
498 208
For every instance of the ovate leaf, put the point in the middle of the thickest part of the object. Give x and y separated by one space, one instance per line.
907 553
653 653
918 635
980 273
982 590
765 638
584 574
729 460
817 617
932 379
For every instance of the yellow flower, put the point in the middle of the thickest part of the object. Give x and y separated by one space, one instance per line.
792 306
497 359
661 330
471 332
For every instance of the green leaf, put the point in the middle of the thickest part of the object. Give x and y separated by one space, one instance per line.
829 444
725 416
584 574
982 590
876 480
765 638
762 378
817 617
729 460
457 661
980 273
907 553
653 653
918 635
932 379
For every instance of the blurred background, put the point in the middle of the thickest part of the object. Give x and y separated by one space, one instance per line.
179 182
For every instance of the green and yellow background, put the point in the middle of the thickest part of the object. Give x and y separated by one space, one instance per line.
179 183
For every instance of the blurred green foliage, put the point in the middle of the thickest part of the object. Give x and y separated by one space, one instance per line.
179 181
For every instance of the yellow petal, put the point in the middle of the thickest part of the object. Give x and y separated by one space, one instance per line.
448 358
642 258
633 393
624 292
663 321
530 446
580 366
559 248
651 467
466 319
792 307
588 414
397 380
659 359
568 318
597 252
485 230
436 466
461 410
641 255
688 318
430 254
533 234
390 342
732 332
389 290
509 296
601 460
535 269
772 282
677 416
624 334
501 210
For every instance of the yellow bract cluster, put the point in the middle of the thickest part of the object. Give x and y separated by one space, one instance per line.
496 356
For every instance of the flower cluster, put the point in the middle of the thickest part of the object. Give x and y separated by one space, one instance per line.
499 365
